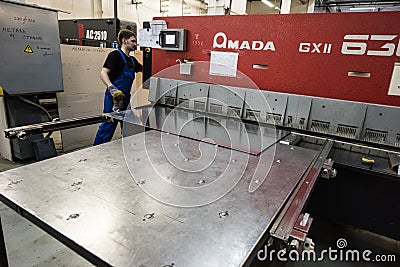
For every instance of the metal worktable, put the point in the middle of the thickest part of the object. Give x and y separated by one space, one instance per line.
89 200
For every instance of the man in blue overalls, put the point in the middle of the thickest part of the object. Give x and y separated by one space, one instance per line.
117 74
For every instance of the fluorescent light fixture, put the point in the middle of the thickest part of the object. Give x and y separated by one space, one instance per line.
268 3
372 9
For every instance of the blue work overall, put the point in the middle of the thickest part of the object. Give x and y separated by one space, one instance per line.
124 83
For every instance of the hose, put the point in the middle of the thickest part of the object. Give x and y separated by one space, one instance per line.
23 99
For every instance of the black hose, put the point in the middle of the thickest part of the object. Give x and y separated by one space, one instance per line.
23 99
36 105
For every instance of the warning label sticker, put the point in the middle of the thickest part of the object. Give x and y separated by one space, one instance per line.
28 49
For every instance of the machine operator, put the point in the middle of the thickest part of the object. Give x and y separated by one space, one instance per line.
117 74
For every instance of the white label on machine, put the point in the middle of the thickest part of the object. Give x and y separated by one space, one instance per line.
223 63
148 37
394 88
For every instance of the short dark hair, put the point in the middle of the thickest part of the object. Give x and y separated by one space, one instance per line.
125 34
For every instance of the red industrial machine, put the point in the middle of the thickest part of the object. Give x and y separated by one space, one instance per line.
347 56
330 76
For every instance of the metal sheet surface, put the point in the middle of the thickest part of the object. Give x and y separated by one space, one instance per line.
97 198
211 128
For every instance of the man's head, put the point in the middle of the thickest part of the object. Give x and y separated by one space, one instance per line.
127 39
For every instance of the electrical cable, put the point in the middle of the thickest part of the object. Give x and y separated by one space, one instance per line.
23 99
36 105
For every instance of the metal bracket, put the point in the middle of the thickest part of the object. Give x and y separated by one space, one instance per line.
286 222
327 170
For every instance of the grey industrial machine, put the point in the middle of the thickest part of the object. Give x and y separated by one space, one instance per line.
30 67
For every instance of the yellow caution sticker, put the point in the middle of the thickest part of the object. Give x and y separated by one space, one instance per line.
1 91
28 49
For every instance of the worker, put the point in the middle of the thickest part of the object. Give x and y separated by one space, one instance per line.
117 74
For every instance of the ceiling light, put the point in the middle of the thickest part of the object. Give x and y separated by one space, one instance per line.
365 9
268 3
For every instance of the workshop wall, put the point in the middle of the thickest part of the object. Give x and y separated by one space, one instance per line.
80 9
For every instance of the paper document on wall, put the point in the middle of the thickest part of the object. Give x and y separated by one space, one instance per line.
146 39
149 35
394 87
223 63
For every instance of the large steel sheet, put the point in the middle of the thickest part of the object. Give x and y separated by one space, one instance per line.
99 199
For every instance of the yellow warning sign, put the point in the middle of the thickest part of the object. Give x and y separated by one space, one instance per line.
1 91
28 49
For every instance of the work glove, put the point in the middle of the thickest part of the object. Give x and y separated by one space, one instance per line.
117 96
115 92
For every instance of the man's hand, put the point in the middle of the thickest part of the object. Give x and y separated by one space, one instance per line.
116 94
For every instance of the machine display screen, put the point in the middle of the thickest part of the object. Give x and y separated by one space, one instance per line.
170 39
173 39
